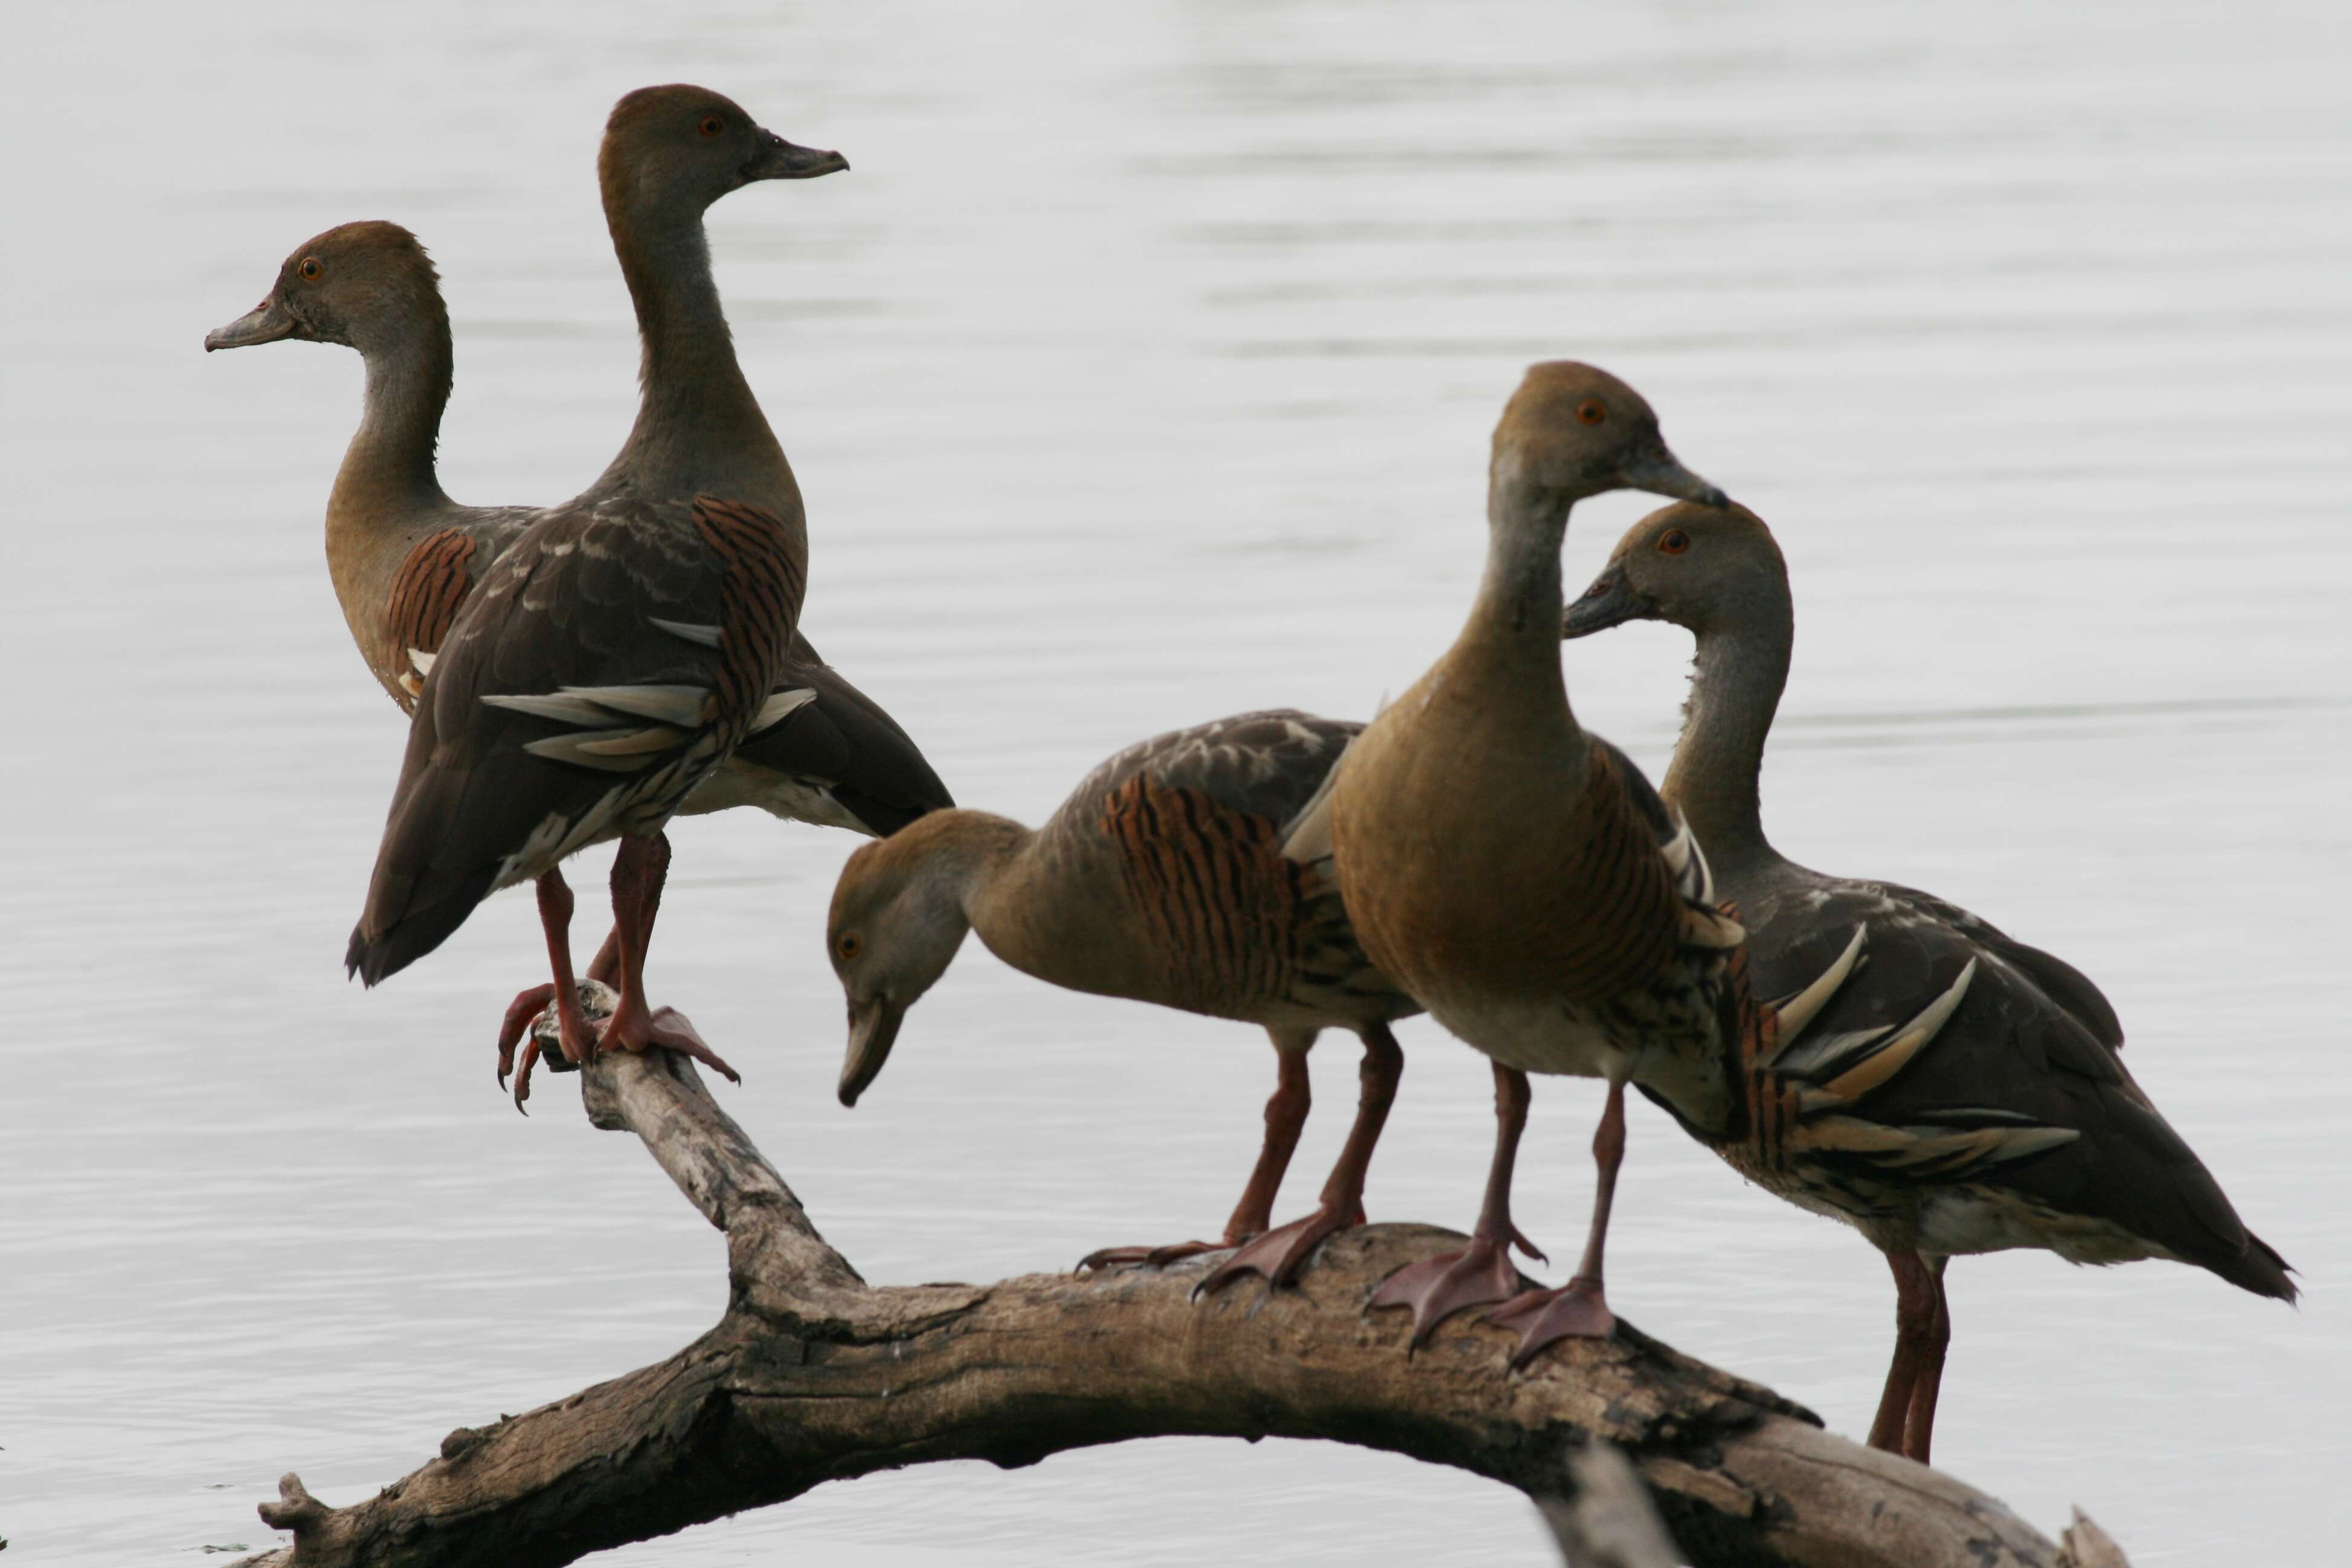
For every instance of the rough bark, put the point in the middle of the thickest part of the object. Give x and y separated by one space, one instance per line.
812 1375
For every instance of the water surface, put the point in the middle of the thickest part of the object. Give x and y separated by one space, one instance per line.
1141 372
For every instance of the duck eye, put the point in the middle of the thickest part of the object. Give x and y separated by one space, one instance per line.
310 268
1673 542
1592 411
849 945
711 125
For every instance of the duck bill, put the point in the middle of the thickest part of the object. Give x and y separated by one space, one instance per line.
265 323
781 160
872 1030
1661 473
1610 602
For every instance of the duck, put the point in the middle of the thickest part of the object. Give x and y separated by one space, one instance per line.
1518 876
604 664
1963 1092
403 556
609 661
1161 878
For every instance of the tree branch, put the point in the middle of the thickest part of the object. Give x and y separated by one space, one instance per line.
812 1375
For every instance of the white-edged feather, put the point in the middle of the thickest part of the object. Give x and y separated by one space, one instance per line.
684 707
562 708
702 635
1801 1009
590 750
1308 838
779 707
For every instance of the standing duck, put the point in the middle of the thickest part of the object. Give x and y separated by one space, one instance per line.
603 662
1518 876
611 660
404 556
1161 878
1963 1092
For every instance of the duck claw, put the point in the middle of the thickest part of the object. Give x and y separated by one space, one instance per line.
1578 1310
1477 1275
1281 1252
1105 1257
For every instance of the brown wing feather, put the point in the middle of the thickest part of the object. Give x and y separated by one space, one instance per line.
1237 929
1214 890
425 593
574 604
760 599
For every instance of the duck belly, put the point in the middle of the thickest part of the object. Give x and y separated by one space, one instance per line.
1551 1036
1975 1217
791 796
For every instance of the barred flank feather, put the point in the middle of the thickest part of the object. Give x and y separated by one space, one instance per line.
425 593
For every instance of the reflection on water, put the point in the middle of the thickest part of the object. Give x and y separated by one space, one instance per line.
1139 373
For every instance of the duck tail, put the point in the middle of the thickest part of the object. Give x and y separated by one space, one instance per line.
423 886
377 953
2257 1268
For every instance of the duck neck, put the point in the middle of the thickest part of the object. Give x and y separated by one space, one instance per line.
1735 685
1514 626
694 400
1032 898
965 855
388 470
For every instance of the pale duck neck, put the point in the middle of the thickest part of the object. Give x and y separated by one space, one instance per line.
1512 633
1735 684
1045 903
388 474
386 494
698 426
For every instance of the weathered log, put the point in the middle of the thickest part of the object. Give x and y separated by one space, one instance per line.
812 1375
1611 1523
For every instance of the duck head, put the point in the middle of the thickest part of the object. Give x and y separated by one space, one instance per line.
1573 430
896 922
677 149
1701 567
362 285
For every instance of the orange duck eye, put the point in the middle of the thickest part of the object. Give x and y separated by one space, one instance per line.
1590 411
711 125
310 268
850 945
1673 542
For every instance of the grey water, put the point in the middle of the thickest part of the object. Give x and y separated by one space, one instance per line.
1140 371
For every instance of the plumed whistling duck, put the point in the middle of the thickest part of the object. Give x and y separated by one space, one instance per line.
665 586
1518 876
402 555
1961 1092
1161 878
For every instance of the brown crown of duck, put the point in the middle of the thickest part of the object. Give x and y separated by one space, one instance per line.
1573 430
364 285
690 146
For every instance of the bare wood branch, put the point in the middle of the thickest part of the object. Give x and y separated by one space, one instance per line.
813 1375
1611 1521
2085 1545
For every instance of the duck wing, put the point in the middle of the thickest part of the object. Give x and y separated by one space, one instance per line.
1942 1062
610 658
1266 764
432 582
1195 820
850 744
2060 981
